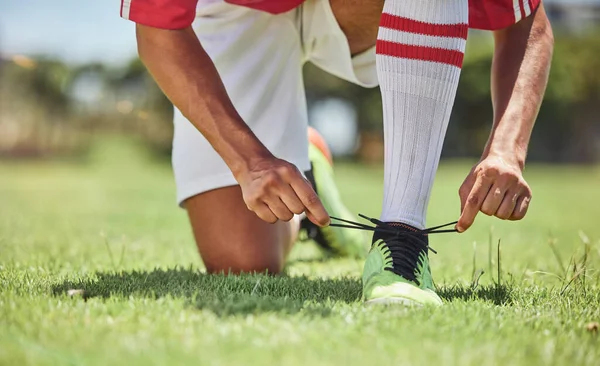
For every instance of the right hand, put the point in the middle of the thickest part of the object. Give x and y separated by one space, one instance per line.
276 190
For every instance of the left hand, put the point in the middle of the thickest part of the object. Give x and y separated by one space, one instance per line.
495 186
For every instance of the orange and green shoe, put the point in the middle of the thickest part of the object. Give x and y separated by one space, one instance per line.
334 241
397 267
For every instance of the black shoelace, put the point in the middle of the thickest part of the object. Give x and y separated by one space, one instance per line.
405 245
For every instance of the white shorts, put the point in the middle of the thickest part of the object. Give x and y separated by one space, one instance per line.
259 57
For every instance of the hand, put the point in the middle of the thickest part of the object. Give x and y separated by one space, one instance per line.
276 190
495 187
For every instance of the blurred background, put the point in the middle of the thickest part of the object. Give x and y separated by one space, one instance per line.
69 76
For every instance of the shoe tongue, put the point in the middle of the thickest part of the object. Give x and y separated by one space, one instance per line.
402 228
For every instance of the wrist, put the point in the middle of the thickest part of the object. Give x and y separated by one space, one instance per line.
233 140
243 157
510 153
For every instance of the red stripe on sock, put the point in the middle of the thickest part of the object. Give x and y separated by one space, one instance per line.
450 57
429 29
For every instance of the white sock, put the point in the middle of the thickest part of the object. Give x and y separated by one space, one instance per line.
420 49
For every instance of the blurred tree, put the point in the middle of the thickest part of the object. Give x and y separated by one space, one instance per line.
568 128
47 107
152 111
35 110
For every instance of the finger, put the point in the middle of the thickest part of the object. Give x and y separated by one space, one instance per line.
280 210
508 204
264 212
465 189
310 217
521 207
493 200
314 208
473 203
290 199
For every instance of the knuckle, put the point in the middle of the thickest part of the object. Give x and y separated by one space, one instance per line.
514 199
487 178
503 215
466 223
297 210
253 200
312 199
473 201
509 177
261 193
286 170
270 179
284 167
517 216
491 172
271 219
487 211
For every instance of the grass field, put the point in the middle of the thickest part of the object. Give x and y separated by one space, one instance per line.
109 227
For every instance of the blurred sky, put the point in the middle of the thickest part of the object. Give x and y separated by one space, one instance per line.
77 31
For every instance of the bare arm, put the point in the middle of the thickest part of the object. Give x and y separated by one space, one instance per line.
190 80
519 78
522 57
188 77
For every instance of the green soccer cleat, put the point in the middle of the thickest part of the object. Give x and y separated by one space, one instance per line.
397 269
333 241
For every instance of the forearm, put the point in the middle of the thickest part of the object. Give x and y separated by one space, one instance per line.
188 77
520 71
